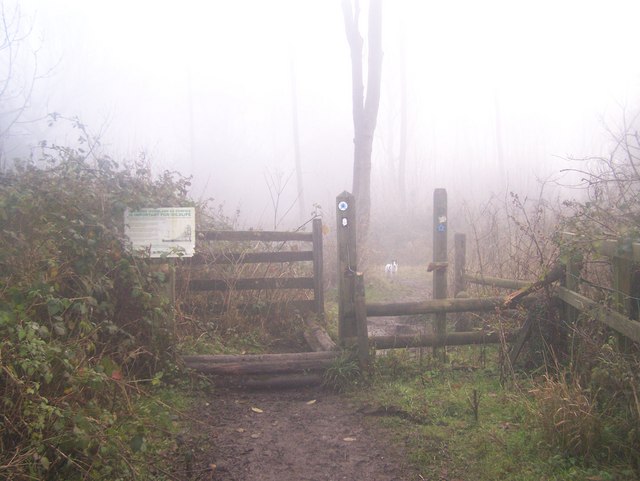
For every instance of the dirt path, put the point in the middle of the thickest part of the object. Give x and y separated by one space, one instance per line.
306 434
297 435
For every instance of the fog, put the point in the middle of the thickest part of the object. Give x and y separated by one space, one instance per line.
499 93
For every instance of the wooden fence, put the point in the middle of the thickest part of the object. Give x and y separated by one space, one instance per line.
313 283
353 310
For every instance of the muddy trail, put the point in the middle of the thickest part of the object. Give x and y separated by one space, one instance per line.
306 434
302 434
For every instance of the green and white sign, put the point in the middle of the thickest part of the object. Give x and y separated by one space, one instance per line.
162 232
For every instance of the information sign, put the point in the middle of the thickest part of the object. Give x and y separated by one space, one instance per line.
162 232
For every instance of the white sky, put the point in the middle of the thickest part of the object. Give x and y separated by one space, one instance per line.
555 68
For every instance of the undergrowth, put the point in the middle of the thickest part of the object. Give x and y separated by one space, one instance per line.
83 324
460 422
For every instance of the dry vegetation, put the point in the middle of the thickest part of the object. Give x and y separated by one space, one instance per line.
587 401
84 327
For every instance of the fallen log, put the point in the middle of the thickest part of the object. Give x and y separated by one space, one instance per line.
261 363
555 274
317 338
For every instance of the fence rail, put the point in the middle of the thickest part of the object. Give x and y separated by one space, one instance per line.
496 281
315 255
253 258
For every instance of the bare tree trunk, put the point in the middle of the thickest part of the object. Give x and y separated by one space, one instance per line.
365 110
296 143
402 157
499 142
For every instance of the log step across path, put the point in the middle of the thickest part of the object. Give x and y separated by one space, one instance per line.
253 364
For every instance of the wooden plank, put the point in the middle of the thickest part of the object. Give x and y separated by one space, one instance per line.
497 281
436 306
251 258
607 316
251 284
318 267
254 235
433 340
302 306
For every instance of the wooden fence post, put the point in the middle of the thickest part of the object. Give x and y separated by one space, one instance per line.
460 252
572 282
361 321
622 281
318 272
347 265
440 227
622 277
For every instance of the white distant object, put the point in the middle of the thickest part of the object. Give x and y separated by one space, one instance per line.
391 268
162 232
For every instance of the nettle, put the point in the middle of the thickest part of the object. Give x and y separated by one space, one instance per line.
79 316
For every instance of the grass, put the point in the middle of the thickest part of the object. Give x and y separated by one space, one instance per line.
431 409
383 288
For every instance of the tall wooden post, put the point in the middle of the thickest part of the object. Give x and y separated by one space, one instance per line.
460 261
347 265
318 272
572 282
440 228
622 278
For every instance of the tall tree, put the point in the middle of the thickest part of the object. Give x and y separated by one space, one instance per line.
365 109
19 72
402 157
296 141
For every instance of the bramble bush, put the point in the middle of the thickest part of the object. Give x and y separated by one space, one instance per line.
80 317
591 408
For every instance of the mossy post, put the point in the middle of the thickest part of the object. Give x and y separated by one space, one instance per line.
347 265
622 280
440 266
572 282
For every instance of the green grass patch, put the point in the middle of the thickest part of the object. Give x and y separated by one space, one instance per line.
455 434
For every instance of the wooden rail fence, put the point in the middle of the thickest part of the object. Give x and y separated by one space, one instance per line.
353 309
270 370
624 255
314 282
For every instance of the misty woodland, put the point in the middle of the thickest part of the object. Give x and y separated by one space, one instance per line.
297 240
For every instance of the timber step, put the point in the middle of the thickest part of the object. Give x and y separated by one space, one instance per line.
261 363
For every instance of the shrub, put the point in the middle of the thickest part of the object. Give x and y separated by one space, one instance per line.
79 315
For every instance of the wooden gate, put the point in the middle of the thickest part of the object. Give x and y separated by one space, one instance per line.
282 254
